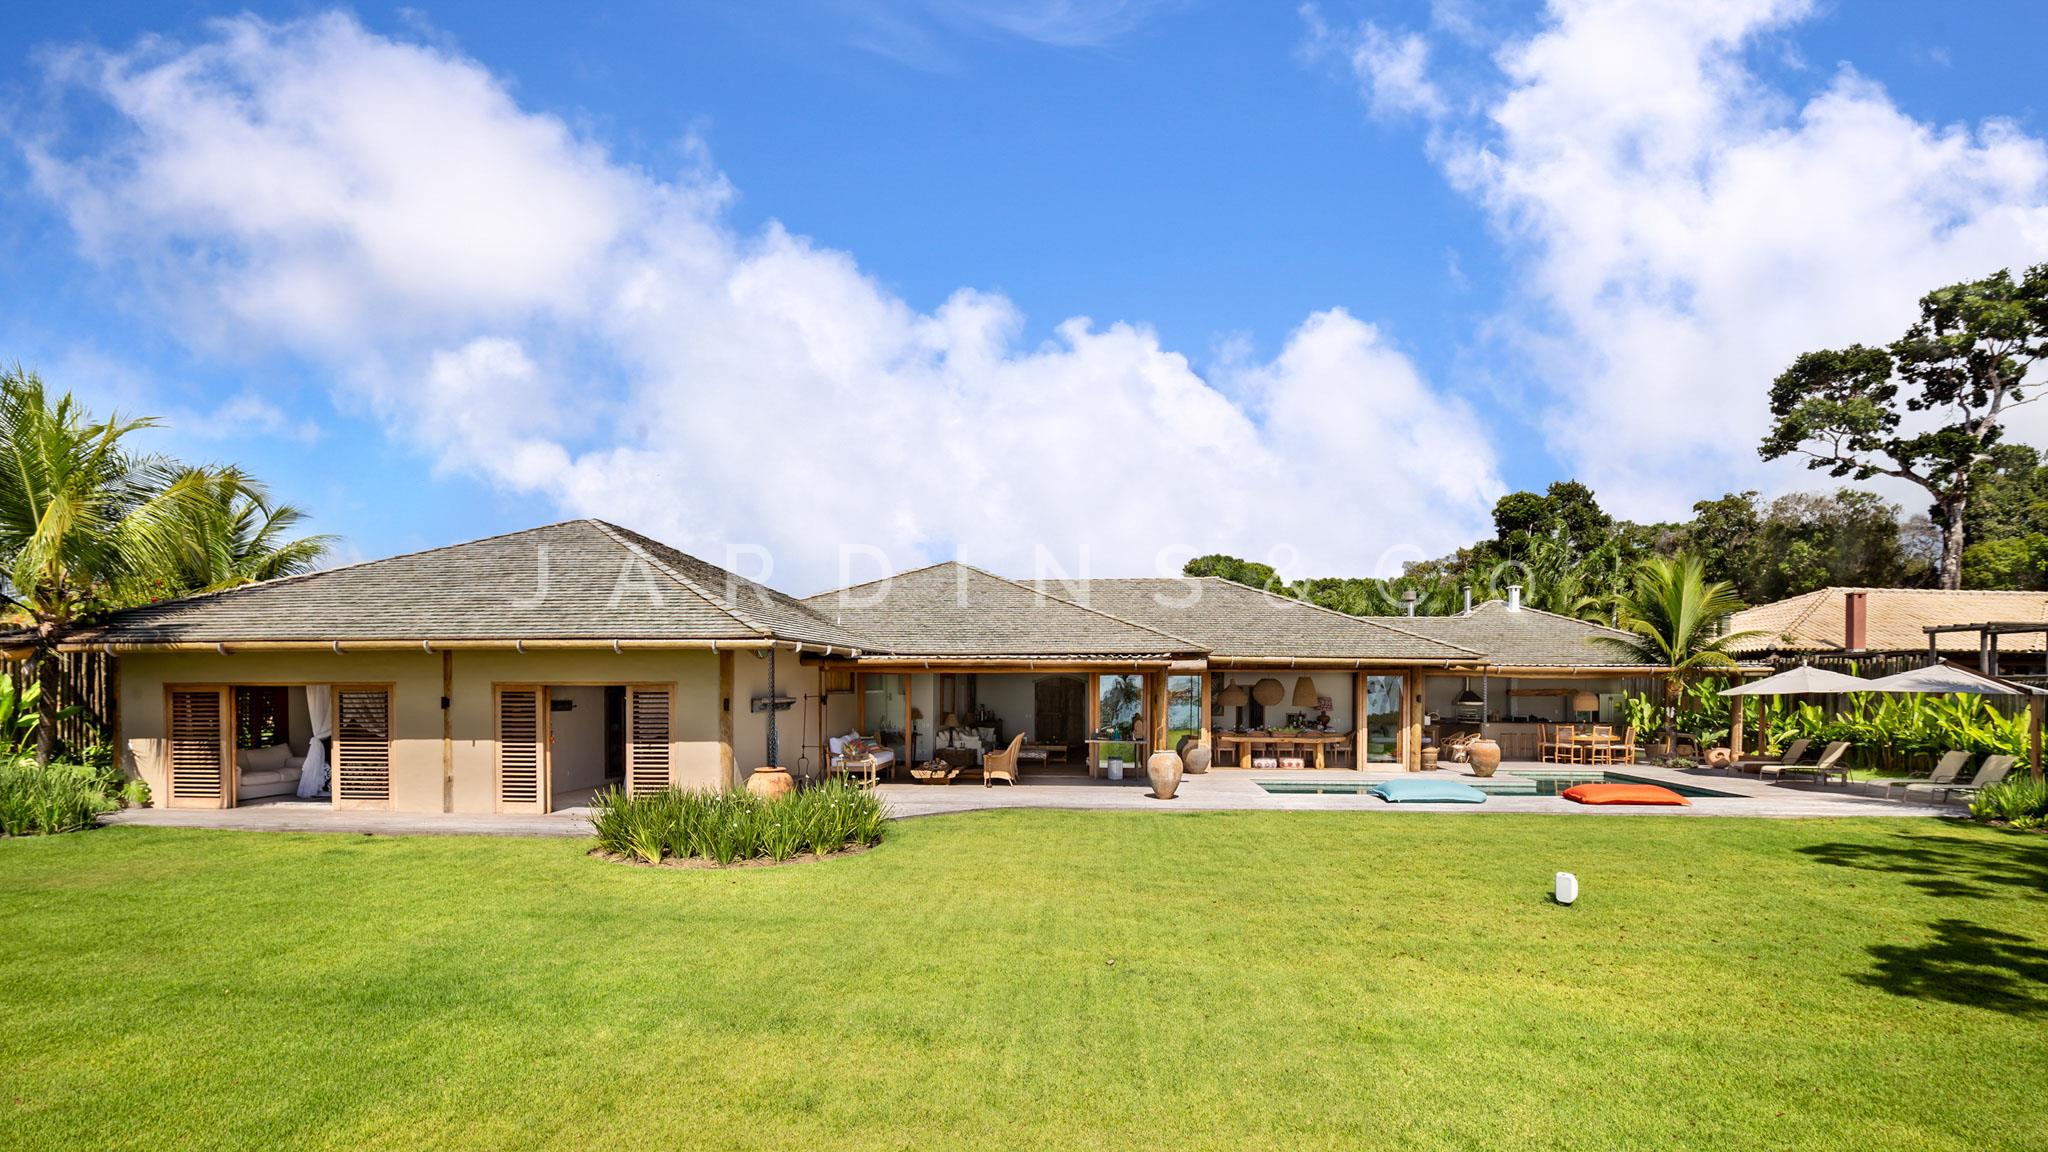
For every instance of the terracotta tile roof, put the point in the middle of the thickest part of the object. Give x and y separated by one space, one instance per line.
1526 638
578 580
1231 619
1894 617
954 609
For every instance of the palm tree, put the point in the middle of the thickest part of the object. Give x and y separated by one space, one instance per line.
1674 613
238 536
82 518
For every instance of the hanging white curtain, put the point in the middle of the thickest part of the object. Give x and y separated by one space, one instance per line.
320 715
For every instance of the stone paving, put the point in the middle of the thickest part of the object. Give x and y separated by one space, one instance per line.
1221 790
1230 788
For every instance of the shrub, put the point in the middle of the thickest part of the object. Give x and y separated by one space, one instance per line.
2019 800
731 826
41 800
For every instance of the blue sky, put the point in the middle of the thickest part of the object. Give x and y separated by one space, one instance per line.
1518 296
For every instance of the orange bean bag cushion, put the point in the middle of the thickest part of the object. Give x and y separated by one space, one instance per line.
1622 794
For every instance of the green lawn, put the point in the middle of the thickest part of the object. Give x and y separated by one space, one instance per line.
1038 979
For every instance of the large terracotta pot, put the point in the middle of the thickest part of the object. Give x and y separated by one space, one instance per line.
1164 769
1484 756
1196 761
769 783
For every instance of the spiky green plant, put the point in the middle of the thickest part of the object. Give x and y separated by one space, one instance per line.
726 827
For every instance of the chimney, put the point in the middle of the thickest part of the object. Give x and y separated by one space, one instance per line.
1468 599
1514 597
1855 621
1408 598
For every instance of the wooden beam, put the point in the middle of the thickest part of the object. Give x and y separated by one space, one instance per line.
1358 740
2038 707
725 769
447 731
1411 705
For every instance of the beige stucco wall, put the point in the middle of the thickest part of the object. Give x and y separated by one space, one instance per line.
799 725
419 783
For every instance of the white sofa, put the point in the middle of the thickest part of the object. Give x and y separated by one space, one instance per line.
885 758
265 772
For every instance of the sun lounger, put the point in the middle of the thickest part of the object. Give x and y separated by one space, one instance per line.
1820 769
1794 753
1945 771
1991 772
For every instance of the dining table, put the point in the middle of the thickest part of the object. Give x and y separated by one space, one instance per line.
1245 742
1138 744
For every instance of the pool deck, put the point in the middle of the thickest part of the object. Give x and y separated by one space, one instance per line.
1227 789
1232 789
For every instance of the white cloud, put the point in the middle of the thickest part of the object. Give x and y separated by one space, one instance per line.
528 310
1682 231
1392 70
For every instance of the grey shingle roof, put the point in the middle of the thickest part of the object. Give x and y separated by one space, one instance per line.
953 609
1522 639
1230 619
578 580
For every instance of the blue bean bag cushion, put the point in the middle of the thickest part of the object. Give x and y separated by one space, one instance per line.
1408 790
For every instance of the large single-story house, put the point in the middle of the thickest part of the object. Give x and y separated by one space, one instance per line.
525 672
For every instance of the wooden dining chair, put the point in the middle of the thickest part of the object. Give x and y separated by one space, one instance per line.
1600 750
1564 744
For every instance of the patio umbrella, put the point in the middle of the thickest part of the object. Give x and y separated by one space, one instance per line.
1956 680
1805 680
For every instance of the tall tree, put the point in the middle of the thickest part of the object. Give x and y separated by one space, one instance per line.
1674 613
1965 361
82 518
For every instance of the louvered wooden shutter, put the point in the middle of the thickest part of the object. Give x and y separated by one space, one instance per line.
362 748
647 740
197 772
521 750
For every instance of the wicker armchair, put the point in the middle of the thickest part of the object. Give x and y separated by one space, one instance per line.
1002 765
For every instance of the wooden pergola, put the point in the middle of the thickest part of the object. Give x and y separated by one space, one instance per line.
1987 664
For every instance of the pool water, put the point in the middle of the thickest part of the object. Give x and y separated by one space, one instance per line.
1531 783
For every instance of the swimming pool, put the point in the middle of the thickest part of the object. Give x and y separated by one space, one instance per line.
1517 783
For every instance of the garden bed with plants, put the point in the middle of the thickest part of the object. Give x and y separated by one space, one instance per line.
2014 802
724 829
46 799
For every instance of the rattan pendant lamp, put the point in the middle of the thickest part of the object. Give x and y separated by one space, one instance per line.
1305 694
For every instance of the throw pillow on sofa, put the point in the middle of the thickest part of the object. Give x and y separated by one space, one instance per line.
269 759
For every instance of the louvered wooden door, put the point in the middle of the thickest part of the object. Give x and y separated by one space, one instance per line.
198 769
649 722
362 746
522 750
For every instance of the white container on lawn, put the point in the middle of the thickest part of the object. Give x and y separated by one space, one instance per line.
1567 888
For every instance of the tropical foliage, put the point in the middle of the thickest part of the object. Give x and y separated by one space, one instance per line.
1673 614
1901 734
727 827
88 524
2020 801
46 799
